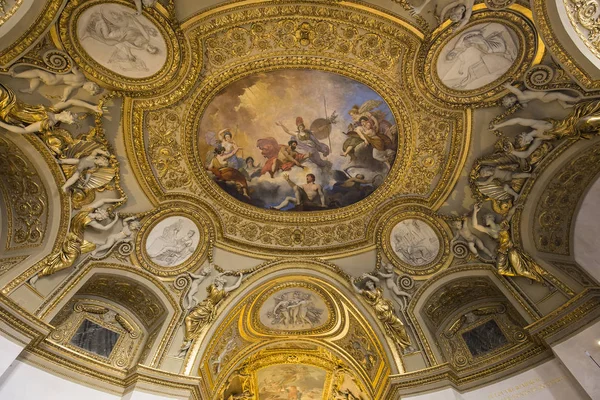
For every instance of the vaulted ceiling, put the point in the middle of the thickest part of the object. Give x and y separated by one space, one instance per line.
333 198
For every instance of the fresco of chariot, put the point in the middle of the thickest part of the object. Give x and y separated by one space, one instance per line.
271 142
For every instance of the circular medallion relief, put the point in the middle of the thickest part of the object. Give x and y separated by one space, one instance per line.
415 242
298 140
121 41
172 241
478 56
470 65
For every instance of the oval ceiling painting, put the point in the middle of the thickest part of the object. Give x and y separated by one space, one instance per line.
298 140
122 41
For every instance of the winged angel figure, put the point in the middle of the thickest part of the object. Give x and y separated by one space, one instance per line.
500 176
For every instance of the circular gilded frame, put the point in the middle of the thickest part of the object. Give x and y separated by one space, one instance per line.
67 32
198 256
257 327
421 214
530 48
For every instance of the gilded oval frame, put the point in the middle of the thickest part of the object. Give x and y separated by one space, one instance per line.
390 95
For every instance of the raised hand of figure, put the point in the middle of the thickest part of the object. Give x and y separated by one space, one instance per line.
286 176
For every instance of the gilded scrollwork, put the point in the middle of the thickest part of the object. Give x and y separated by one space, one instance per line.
562 55
480 332
584 16
164 149
25 196
294 36
128 293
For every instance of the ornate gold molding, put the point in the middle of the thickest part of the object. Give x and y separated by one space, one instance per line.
231 36
45 18
26 198
8 9
584 18
559 201
540 14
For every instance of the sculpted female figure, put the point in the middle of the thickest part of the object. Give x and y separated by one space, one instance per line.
510 260
190 300
384 310
205 312
402 298
74 244
19 117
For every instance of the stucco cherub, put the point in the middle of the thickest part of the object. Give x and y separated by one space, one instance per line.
523 97
130 226
190 300
72 80
463 231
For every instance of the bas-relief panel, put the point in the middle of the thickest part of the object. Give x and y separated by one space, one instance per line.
121 41
415 242
286 382
300 140
478 56
294 309
172 241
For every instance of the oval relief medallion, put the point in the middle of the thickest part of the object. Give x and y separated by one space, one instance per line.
121 41
478 56
415 242
172 241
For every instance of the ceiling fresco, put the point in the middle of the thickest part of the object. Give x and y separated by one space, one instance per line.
261 154
293 199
